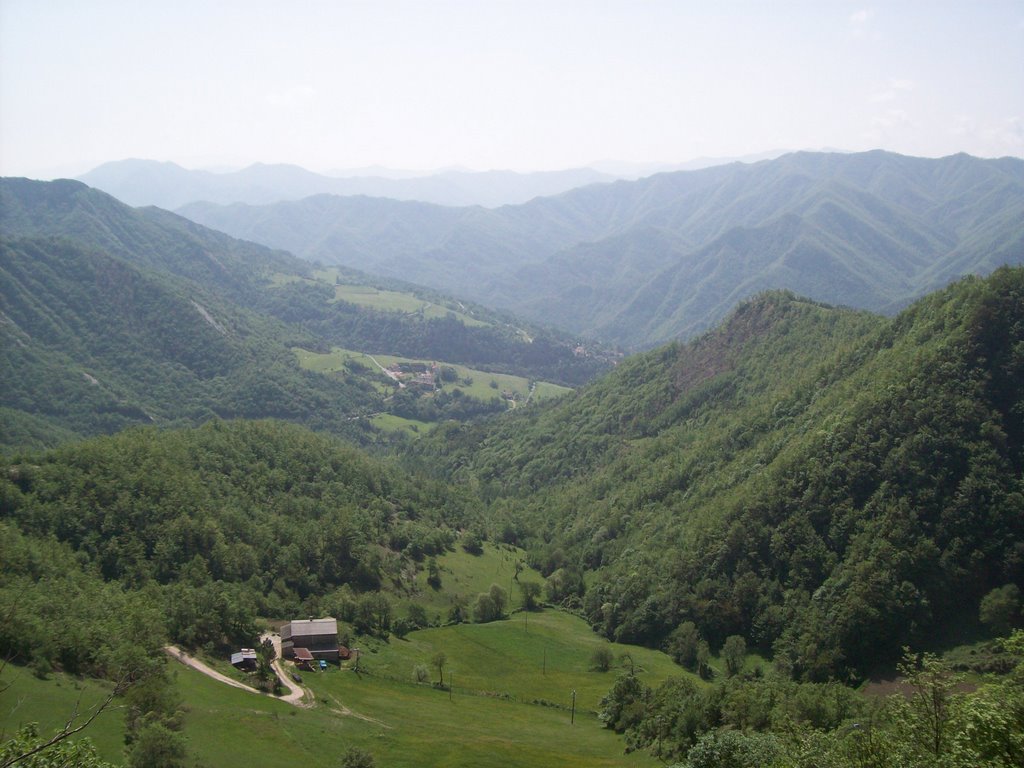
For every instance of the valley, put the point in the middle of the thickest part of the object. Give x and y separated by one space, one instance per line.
708 547
511 384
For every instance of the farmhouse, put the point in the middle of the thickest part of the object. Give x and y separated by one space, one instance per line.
318 636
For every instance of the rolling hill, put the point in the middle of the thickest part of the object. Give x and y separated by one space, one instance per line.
114 316
639 263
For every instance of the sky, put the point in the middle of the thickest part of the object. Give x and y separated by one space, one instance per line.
519 85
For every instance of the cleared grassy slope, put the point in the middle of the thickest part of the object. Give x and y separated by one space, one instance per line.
385 712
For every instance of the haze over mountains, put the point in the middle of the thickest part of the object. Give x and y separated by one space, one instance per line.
168 185
638 263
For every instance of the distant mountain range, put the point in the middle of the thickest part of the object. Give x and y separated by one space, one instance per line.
167 185
641 262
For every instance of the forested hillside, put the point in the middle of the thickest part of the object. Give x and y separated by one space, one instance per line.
828 485
640 263
821 486
203 530
92 344
112 316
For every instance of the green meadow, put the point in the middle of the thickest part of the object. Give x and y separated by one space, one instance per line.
510 705
482 385
400 724
530 657
389 422
394 301
24 698
378 298
510 702
464 576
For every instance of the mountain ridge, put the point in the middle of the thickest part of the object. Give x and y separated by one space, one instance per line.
168 185
895 226
826 483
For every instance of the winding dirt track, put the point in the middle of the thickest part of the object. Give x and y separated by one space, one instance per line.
297 695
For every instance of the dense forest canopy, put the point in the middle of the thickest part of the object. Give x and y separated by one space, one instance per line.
211 527
828 485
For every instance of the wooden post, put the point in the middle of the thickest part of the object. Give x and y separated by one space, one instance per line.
572 721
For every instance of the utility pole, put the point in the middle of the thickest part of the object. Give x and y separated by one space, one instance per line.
451 684
572 720
545 667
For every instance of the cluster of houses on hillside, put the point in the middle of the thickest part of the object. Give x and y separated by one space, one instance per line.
417 374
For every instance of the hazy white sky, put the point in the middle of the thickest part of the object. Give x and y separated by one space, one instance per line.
523 85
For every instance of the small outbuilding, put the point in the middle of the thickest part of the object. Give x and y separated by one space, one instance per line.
303 658
244 659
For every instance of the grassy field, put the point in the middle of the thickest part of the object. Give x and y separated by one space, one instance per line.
391 423
393 301
509 704
509 707
379 298
399 724
466 576
27 699
540 656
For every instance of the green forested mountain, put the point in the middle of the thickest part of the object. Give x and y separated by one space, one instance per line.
827 484
821 485
206 528
114 316
820 481
93 344
642 262
147 237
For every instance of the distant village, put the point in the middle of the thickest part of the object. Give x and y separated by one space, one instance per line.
431 377
423 375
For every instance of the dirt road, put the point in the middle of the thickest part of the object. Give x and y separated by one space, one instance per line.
389 374
297 695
